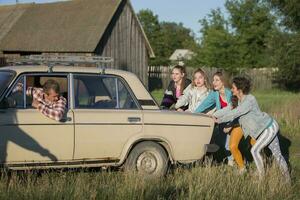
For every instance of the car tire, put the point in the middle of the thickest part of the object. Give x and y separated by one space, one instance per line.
148 159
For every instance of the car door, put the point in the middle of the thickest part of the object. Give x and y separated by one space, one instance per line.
106 116
26 135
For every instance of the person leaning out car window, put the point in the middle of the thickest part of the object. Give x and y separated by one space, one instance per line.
47 100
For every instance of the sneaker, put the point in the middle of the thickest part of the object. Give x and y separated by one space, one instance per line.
242 171
230 163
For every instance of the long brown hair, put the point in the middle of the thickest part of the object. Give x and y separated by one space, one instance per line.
183 71
223 77
206 82
234 101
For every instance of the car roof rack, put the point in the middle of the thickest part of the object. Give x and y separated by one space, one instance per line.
51 60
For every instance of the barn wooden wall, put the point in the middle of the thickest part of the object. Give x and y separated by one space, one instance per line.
124 41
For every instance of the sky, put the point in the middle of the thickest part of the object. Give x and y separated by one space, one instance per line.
188 12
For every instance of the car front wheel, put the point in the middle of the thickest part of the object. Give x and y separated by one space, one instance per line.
149 159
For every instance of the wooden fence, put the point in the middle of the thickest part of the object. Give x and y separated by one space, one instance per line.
159 76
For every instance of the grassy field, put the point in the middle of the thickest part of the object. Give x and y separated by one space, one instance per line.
204 181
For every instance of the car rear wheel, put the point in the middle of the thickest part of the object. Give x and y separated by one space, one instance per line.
148 159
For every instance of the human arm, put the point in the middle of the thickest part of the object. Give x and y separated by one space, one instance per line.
230 125
168 99
35 93
222 112
184 99
243 108
55 111
208 102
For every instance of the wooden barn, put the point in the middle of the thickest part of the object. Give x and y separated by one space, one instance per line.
79 27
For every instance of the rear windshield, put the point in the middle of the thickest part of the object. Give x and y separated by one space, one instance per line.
5 78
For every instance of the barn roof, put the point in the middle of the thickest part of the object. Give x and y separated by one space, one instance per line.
9 15
69 26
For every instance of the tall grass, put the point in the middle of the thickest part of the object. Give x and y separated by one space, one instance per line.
204 181
284 107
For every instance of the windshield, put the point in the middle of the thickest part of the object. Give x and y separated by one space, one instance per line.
5 78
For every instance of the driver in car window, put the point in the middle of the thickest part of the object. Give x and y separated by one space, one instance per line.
47 100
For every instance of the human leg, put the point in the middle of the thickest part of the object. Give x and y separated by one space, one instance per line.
252 141
275 148
235 138
264 139
230 157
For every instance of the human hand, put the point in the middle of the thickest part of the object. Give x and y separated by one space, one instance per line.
180 110
227 130
215 119
210 115
35 103
18 87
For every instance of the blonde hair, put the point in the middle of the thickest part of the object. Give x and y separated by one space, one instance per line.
206 82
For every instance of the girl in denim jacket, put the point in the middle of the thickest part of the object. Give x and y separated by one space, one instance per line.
255 123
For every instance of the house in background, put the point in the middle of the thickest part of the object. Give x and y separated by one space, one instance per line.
80 27
180 55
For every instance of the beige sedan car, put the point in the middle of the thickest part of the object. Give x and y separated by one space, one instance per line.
111 120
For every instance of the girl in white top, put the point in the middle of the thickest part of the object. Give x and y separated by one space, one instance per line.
195 93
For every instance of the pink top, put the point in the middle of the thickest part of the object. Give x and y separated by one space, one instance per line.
178 93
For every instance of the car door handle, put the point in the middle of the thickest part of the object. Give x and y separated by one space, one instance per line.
134 119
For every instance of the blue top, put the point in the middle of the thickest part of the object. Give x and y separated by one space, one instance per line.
213 100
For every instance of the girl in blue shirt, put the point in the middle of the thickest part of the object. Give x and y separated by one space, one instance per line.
219 98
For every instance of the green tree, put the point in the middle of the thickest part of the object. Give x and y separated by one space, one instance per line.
253 26
287 59
287 44
290 9
152 28
165 37
240 41
218 46
176 36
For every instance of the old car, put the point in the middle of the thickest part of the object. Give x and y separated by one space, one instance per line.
110 120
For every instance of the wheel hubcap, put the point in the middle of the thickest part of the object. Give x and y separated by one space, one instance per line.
147 163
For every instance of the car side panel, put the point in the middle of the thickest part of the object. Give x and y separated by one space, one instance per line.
186 134
102 134
26 136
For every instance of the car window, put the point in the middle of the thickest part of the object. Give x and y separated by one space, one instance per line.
102 92
17 97
5 78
